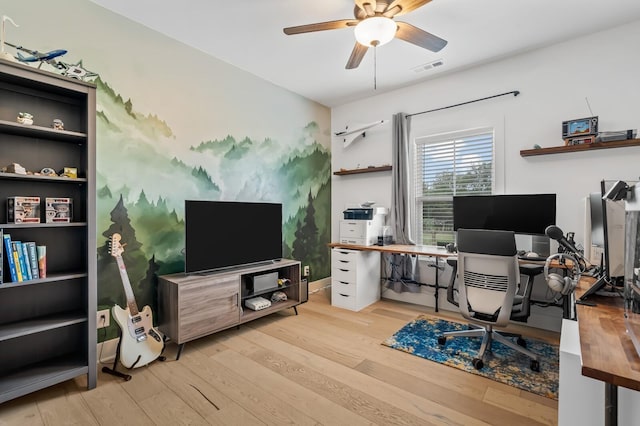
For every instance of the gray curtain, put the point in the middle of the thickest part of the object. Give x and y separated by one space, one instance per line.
402 270
400 180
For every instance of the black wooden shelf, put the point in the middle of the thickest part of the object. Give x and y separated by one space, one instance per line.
30 130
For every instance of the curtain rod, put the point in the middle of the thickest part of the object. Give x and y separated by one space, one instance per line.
514 93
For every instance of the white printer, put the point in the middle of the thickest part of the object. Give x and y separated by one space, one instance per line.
362 225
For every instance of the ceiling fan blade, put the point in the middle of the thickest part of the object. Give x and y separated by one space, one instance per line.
403 6
421 38
367 6
357 54
321 26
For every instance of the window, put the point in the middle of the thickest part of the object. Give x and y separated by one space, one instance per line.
446 165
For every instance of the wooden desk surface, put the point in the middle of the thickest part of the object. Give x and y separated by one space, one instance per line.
608 353
399 248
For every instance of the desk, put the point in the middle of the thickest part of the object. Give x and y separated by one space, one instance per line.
416 250
420 250
607 351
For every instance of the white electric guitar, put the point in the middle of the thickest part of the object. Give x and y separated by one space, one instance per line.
140 343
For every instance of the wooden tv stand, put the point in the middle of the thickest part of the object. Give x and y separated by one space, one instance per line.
191 306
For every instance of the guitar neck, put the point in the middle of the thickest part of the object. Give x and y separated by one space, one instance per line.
128 291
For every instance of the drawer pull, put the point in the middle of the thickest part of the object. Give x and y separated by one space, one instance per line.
343 295
343 282
343 261
343 270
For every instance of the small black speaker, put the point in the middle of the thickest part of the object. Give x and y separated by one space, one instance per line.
304 290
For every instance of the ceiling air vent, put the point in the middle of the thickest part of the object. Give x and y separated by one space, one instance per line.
428 66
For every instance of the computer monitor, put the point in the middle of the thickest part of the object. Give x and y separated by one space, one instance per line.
521 213
528 215
607 238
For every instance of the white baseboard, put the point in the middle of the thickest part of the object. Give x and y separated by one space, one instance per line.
316 286
106 352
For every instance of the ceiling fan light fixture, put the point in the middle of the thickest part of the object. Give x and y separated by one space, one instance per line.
375 31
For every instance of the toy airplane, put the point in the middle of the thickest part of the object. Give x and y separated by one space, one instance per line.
35 56
350 135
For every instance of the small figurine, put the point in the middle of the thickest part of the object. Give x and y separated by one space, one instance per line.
57 124
48 171
25 118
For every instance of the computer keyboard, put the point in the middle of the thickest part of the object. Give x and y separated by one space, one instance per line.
532 258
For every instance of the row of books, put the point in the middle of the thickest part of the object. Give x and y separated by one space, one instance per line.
26 260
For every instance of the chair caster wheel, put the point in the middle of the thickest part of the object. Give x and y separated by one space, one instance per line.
477 363
535 365
521 342
442 340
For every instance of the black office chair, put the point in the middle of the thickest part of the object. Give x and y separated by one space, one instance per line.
488 276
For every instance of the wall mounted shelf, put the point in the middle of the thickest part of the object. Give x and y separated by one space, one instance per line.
365 170
583 147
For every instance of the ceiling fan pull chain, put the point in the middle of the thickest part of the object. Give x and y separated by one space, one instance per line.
375 69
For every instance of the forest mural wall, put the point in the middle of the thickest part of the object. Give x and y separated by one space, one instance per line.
190 128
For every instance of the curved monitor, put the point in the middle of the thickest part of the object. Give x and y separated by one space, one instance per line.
521 213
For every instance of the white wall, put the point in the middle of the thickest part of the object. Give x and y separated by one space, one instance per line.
553 84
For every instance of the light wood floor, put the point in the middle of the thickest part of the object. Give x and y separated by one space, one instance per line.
324 366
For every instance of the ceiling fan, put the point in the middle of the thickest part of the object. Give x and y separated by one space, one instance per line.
374 26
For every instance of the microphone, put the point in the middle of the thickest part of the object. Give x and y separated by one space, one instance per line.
556 233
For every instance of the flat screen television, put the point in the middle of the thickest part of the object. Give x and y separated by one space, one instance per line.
521 213
225 234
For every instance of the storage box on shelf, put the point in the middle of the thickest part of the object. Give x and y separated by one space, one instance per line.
47 325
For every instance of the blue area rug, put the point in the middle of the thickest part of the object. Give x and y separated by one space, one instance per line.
502 364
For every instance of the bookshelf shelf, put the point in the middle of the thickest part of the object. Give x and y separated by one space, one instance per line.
42 178
43 225
38 325
21 382
17 129
48 325
51 278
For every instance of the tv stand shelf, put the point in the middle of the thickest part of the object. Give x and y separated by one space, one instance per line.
197 305
249 295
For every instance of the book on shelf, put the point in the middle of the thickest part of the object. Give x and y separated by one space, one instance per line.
33 259
25 259
8 248
1 259
16 261
42 261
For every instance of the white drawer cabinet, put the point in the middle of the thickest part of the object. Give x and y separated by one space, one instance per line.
355 278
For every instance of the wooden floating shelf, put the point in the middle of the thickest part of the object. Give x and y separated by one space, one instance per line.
582 147
365 170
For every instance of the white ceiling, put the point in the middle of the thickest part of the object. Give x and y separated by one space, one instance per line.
248 34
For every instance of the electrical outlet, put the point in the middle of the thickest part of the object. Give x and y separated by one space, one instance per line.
102 320
306 271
